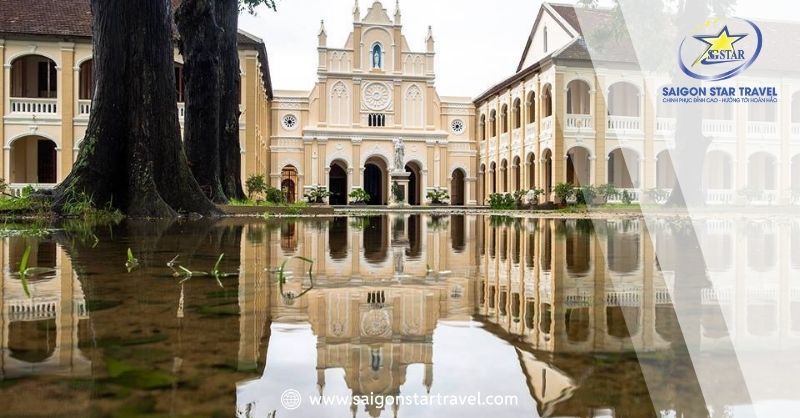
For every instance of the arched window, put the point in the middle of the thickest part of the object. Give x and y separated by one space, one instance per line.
377 56
504 119
482 130
531 103
515 114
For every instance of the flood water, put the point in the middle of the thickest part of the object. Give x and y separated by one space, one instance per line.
556 317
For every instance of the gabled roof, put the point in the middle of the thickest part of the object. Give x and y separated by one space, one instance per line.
72 20
568 24
377 14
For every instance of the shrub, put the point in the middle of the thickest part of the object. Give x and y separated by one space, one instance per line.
626 197
317 194
359 196
501 201
438 196
273 195
255 184
397 192
585 195
658 195
564 191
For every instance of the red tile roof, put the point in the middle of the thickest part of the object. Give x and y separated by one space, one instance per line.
57 18
72 19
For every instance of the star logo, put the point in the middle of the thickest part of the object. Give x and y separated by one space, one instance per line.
720 45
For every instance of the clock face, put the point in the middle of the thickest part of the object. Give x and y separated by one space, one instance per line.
377 96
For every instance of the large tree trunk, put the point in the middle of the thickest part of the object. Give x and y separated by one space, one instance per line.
131 157
200 37
230 150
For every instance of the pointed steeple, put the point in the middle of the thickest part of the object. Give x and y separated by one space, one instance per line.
323 35
356 13
397 15
429 39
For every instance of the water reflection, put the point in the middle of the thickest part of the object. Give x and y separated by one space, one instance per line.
574 317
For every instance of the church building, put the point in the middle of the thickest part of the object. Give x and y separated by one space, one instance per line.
374 99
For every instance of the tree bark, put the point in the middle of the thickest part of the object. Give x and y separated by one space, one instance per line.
230 89
200 37
132 157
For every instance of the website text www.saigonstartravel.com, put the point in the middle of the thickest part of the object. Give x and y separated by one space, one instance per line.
292 399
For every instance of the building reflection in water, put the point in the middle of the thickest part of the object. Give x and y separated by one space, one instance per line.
576 317
40 333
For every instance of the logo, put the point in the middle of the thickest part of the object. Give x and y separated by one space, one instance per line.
722 49
291 399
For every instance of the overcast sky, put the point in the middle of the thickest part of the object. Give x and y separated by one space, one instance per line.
478 42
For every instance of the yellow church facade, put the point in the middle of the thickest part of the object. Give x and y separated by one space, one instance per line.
373 95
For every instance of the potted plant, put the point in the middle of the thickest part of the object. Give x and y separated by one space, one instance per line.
359 197
563 191
603 192
438 196
316 195
532 196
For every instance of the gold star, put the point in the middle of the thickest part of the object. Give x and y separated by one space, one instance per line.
723 41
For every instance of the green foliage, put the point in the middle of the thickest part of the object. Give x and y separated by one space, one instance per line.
296 208
25 272
564 191
317 194
585 195
273 195
281 273
438 196
397 192
256 185
359 196
3 186
626 198
250 5
502 201
131 262
80 205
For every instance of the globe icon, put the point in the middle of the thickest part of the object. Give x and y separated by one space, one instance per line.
290 399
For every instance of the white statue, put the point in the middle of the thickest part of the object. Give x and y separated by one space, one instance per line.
399 154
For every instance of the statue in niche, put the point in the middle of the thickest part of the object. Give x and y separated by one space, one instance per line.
399 154
376 57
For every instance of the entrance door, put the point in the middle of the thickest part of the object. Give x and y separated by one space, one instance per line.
337 181
46 161
373 184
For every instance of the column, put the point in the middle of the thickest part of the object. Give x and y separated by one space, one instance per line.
444 168
398 104
356 102
357 170
431 165
4 75
323 101
249 80
600 116
559 153
649 174
322 158
430 123
67 107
